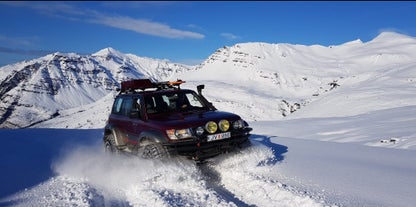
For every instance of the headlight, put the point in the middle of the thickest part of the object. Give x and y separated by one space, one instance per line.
211 127
178 133
238 124
224 125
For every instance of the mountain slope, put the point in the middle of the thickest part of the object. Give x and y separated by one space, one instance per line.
38 90
259 81
270 81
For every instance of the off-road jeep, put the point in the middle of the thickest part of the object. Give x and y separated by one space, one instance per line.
159 119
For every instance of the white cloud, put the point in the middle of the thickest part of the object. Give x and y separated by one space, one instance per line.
145 27
18 41
230 36
49 8
69 12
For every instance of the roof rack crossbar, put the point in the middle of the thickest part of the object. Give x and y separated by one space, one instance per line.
144 84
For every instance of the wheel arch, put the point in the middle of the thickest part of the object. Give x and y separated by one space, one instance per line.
152 136
110 129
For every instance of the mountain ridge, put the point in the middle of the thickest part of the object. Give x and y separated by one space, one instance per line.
260 81
37 90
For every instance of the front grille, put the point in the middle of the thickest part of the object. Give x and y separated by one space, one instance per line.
202 150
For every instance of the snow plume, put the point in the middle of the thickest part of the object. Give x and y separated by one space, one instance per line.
84 175
139 182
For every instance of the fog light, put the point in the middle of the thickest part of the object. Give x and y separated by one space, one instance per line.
199 131
224 125
211 127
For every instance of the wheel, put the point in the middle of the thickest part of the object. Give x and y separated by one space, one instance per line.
154 151
110 144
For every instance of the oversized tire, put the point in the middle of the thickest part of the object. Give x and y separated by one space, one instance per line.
153 151
110 144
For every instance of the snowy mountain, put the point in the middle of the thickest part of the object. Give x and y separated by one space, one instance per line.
38 90
259 81
332 126
262 81
268 81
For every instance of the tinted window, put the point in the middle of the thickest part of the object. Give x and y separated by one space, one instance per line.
117 106
169 102
126 106
122 105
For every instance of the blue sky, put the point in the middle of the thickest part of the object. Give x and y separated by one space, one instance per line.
188 32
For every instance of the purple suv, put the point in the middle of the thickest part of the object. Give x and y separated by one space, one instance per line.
156 120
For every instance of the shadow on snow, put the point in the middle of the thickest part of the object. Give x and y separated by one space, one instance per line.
278 150
27 154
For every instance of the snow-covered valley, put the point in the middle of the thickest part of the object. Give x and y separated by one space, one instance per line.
68 167
333 126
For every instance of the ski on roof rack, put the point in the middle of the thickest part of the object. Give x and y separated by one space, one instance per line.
144 84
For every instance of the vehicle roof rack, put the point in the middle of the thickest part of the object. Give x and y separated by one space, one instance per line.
143 84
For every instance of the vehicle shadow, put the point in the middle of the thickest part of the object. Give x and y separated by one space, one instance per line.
278 150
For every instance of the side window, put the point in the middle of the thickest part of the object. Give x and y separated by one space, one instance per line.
122 106
117 106
126 106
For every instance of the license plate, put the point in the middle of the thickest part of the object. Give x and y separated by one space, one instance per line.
214 137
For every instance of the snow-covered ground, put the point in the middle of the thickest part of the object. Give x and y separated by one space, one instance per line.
333 126
285 166
59 167
364 160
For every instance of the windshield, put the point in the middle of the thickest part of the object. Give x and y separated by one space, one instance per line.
178 101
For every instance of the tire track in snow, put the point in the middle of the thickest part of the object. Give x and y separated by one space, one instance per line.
250 176
213 181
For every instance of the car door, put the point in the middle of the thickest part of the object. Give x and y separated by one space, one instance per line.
137 119
120 120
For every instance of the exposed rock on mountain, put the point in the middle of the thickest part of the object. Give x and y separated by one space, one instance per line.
37 90
259 81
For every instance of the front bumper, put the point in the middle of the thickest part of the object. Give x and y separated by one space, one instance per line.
199 149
